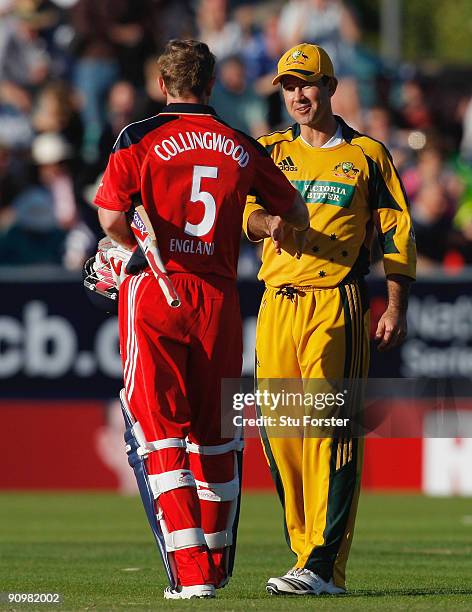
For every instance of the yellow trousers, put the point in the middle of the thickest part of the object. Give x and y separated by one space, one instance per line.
318 334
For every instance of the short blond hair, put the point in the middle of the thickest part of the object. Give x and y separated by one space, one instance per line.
186 66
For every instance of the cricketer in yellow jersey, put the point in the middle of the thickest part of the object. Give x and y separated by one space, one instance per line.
314 317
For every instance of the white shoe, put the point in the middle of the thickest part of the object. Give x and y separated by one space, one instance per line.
188 592
301 581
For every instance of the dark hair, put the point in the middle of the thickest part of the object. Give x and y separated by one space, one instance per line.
187 66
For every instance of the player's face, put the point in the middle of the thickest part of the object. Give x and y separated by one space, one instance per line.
307 103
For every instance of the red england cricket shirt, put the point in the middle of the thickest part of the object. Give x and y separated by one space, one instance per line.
193 173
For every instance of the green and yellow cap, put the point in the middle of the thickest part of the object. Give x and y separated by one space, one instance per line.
305 61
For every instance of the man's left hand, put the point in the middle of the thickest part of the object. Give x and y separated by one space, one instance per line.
110 262
391 329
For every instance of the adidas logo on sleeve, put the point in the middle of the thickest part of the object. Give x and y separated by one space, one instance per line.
287 165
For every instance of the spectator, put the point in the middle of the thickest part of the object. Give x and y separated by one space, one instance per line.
33 235
261 53
130 36
24 65
51 152
9 186
327 23
24 61
466 142
97 66
121 112
222 35
235 100
152 101
366 66
430 169
378 124
57 111
414 112
46 225
463 216
15 116
432 223
113 40
167 20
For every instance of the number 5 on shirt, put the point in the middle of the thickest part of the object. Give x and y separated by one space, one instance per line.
197 195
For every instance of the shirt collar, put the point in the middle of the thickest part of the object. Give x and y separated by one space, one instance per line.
335 140
179 108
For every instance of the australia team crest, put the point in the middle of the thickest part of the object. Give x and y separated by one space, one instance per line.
346 170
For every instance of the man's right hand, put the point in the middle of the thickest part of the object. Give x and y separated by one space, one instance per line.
276 230
299 239
263 225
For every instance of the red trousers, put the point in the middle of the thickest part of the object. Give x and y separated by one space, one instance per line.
174 360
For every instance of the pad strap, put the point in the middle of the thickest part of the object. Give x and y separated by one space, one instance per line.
166 443
175 479
146 447
218 491
219 449
184 538
219 539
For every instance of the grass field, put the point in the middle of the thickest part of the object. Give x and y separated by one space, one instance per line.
409 553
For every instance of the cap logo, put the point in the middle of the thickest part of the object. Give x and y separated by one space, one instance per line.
296 56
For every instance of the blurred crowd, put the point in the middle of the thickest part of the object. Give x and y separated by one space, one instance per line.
73 73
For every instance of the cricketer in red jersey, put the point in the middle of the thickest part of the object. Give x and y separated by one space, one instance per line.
193 173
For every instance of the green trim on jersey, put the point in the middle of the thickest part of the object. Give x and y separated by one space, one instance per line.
387 242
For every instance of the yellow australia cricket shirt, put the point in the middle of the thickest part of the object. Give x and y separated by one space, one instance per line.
349 188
